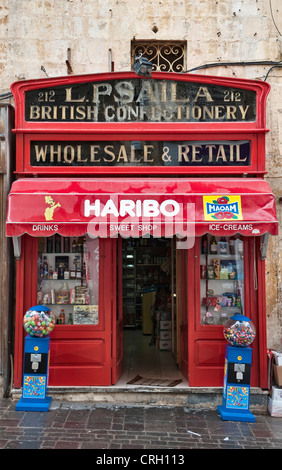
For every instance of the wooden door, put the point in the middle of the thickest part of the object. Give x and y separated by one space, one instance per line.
206 342
117 310
181 310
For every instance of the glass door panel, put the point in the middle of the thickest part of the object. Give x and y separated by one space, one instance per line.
68 278
222 278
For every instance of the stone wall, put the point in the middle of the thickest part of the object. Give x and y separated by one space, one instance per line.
35 36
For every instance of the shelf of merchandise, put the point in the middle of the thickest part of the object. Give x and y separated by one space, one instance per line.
222 286
48 287
144 274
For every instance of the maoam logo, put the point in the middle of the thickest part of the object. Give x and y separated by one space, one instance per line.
222 208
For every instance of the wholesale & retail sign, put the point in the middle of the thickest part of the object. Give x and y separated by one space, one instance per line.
139 153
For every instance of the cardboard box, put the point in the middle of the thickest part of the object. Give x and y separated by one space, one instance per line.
276 393
165 345
277 356
165 334
165 325
277 372
274 408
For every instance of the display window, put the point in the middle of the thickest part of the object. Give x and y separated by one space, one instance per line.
222 278
68 278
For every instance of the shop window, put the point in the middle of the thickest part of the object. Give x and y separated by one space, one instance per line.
222 278
68 278
166 56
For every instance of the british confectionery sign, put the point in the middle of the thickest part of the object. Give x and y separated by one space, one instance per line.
142 100
119 123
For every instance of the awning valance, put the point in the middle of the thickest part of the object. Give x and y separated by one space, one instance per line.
160 206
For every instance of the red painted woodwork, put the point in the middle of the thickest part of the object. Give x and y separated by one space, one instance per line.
206 342
92 355
254 131
27 205
117 312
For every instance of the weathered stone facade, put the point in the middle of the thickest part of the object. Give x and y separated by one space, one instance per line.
35 36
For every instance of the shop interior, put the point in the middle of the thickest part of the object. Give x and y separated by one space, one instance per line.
149 313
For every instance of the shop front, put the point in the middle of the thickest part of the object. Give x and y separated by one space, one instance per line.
140 203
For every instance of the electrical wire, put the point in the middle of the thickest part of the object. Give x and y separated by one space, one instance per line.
274 64
5 96
220 64
271 12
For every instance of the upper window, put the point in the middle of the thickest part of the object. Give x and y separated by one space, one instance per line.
166 56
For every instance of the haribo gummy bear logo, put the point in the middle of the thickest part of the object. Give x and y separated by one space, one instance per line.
222 208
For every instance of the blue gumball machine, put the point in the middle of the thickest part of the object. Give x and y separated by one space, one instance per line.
239 332
39 321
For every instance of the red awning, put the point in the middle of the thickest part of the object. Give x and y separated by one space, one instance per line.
159 206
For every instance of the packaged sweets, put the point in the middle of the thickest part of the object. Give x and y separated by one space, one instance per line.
216 266
210 272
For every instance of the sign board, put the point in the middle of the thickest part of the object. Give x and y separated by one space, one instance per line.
142 100
139 153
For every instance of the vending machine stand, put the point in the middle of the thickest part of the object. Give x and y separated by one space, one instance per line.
236 386
35 375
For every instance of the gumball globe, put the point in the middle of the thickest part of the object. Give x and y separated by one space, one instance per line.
239 331
35 320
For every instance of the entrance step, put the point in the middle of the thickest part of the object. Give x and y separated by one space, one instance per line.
199 398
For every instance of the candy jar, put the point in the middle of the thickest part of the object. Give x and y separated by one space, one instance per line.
239 331
39 321
208 318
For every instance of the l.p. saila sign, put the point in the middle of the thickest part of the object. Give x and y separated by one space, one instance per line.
137 99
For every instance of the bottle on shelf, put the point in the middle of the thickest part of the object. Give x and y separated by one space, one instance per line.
223 246
204 244
61 271
213 246
232 246
57 243
49 244
41 244
70 320
62 317
74 246
66 244
50 273
79 244
41 268
240 247
45 268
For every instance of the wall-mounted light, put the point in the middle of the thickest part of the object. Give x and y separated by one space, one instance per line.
142 66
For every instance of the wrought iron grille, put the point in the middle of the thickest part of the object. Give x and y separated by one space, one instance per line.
165 56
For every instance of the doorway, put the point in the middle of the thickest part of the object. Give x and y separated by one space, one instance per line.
152 312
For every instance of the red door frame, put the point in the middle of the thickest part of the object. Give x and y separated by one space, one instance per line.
206 343
117 310
79 354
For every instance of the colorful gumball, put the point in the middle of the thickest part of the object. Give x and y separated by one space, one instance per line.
39 321
239 331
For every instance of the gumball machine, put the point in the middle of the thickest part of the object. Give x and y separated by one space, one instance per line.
239 332
38 322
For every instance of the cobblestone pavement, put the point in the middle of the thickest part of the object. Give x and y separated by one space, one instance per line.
88 426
